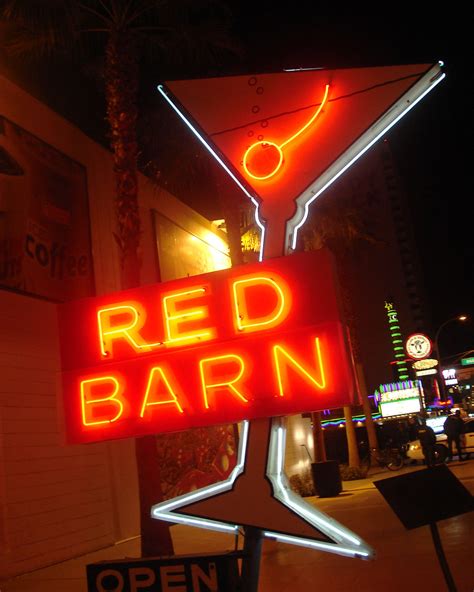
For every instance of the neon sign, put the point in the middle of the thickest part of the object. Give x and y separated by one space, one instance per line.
257 341
264 113
418 346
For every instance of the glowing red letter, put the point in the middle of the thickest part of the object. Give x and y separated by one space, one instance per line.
122 321
209 364
248 313
176 318
106 389
157 376
282 357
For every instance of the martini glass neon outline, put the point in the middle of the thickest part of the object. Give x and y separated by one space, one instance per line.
267 143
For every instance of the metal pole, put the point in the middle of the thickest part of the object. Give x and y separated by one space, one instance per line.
442 558
251 559
438 353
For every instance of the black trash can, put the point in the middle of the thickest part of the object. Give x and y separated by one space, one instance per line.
326 478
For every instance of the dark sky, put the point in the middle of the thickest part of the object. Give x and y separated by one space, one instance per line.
432 145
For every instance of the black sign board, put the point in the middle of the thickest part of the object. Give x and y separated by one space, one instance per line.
201 573
426 496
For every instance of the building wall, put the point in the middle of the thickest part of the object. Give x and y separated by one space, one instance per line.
55 498
59 501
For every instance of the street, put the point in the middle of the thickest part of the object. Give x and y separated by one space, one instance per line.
405 560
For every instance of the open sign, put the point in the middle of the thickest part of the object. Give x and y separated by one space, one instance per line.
253 341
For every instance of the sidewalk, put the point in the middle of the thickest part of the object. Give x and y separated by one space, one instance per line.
376 473
69 576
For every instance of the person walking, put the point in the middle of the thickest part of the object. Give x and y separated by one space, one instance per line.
453 428
427 439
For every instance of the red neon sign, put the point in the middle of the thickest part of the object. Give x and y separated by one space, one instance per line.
280 132
254 341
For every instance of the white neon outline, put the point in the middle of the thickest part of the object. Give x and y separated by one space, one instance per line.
319 545
259 223
165 510
385 122
345 541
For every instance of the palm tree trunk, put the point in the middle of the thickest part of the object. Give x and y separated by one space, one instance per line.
354 458
369 421
319 445
121 81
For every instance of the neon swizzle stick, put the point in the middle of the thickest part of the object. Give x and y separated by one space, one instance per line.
265 144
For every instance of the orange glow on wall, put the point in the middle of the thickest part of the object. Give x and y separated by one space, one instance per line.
88 401
284 360
241 291
253 341
267 157
156 379
207 369
177 320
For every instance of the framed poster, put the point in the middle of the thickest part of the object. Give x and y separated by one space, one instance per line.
183 254
45 246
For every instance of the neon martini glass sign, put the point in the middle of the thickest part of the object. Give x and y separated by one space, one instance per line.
282 173
283 149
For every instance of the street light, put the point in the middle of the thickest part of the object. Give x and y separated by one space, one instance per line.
458 318
441 377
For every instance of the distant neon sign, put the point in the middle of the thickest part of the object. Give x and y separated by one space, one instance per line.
399 398
397 341
418 346
255 341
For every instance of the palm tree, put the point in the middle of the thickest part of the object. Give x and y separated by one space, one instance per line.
339 222
126 30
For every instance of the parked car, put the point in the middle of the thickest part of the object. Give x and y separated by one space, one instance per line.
415 452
